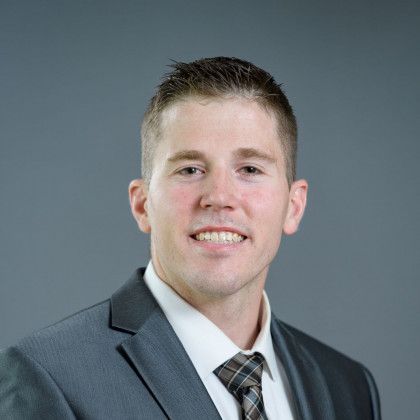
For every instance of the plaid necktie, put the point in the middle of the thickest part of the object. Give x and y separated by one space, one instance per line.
241 375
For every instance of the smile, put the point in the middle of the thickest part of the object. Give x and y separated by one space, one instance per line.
220 237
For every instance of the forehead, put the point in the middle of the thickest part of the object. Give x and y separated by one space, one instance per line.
219 123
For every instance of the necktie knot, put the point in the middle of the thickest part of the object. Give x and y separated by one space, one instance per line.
241 375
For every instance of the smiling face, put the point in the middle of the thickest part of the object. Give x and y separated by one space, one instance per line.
218 199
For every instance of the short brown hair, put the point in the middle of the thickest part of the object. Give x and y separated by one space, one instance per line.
220 77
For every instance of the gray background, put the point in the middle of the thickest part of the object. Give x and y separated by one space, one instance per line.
75 79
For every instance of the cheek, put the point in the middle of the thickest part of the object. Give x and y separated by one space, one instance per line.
267 207
265 202
174 204
180 195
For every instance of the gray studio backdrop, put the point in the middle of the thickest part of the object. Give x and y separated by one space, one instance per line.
75 79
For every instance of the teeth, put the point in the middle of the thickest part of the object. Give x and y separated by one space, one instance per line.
219 237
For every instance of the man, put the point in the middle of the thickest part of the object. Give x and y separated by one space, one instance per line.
192 335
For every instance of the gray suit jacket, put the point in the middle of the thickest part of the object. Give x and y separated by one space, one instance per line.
121 359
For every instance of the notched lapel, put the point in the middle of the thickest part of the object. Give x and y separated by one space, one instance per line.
157 354
309 389
164 365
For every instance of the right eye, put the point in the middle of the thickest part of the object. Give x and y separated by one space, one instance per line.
190 170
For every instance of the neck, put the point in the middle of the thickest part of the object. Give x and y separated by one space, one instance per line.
239 319
238 315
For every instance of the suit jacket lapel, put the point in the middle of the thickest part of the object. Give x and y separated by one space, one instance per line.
312 399
157 354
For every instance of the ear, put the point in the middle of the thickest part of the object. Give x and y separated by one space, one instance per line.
138 195
296 207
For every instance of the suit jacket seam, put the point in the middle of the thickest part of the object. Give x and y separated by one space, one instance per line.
373 393
42 368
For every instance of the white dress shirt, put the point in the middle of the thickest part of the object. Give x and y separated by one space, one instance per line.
208 347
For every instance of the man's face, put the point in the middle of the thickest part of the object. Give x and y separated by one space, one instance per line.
218 199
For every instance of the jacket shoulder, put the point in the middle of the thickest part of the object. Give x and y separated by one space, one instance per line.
332 361
73 342
44 373
78 327
316 347
344 375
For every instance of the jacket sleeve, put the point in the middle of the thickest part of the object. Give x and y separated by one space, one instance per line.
374 395
27 391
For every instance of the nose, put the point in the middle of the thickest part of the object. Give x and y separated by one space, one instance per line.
219 191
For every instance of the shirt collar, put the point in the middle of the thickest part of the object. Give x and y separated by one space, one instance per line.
206 344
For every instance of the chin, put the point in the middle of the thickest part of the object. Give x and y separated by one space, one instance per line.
217 285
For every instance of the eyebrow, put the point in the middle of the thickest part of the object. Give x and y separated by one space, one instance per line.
241 153
250 152
186 155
